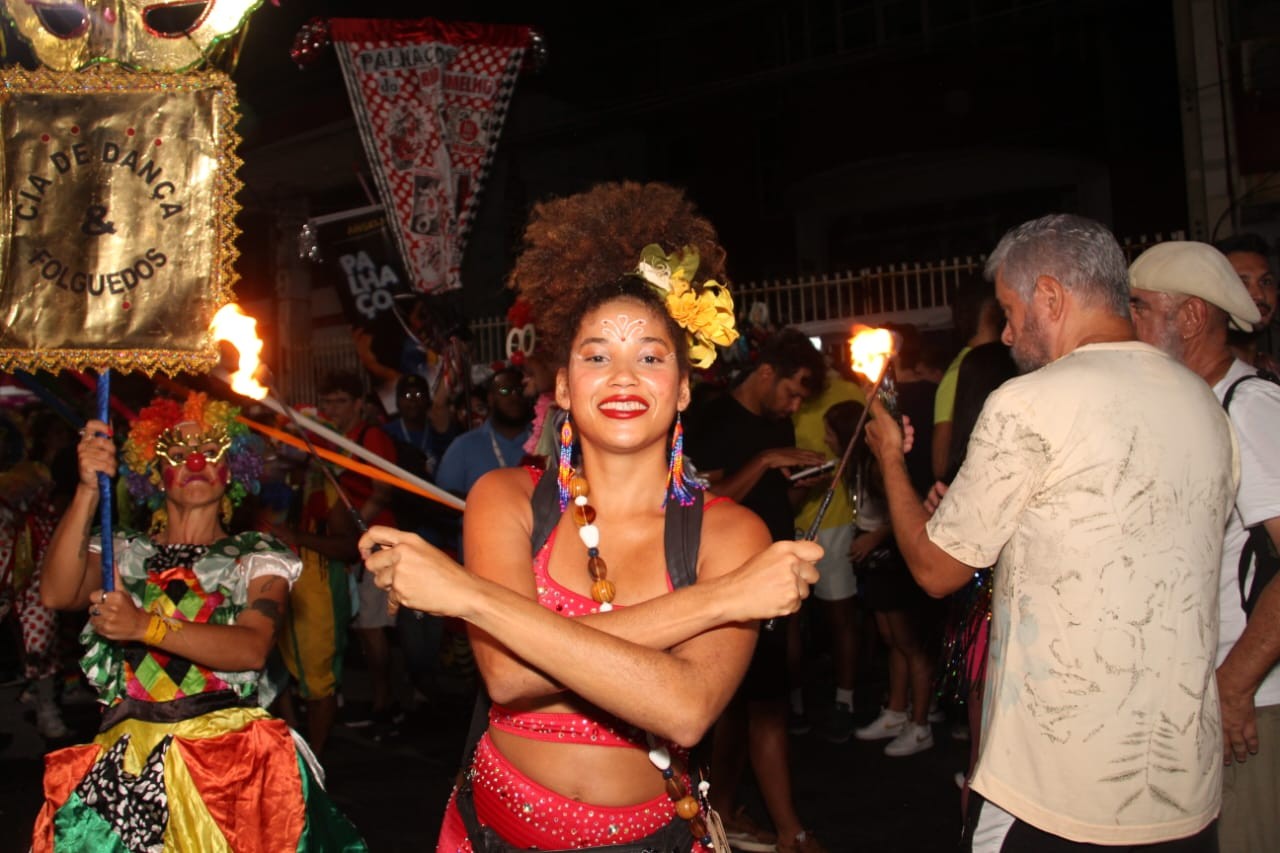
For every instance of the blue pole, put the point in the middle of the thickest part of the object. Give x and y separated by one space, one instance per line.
104 489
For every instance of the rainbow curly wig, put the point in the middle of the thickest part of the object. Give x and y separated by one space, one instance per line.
244 457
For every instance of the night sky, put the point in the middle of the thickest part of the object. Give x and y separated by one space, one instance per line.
918 128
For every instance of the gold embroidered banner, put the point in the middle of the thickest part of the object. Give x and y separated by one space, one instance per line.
117 220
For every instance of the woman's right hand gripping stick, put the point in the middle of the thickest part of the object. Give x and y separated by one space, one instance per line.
772 583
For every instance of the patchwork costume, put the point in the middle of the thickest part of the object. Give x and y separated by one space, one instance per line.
187 759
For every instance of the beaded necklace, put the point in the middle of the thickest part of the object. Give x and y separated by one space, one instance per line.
584 516
688 807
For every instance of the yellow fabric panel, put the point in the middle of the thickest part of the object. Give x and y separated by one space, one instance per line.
191 827
144 736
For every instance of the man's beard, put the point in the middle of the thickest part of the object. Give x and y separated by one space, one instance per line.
1170 342
1030 352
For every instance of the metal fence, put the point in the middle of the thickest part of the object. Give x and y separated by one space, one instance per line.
918 292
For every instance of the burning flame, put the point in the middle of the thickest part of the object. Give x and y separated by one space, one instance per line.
240 330
869 351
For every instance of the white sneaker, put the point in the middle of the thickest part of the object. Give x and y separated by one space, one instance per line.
888 724
49 722
913 739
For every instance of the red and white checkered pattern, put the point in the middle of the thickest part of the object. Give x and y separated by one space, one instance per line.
430 126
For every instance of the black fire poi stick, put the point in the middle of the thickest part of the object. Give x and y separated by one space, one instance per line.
886 389
333 481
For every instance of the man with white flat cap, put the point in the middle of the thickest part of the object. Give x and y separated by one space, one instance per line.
1184 297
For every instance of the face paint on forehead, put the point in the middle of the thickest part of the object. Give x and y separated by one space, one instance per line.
623 328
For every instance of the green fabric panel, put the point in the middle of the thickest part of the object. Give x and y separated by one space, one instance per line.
78 828
326 829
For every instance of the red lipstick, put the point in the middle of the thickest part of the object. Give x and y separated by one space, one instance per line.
623 406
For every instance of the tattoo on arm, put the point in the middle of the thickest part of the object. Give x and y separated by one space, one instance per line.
268 608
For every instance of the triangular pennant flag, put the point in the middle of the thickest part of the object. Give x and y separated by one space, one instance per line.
429 98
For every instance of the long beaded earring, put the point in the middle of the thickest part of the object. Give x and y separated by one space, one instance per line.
679 486
226 509
564 476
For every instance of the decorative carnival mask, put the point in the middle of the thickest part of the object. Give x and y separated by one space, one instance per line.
156 439
147 35
195 452
704 311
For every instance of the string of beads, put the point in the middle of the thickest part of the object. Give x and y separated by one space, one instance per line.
687 805
584 516
602 592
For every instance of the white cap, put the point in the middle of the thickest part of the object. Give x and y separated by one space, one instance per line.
1195 269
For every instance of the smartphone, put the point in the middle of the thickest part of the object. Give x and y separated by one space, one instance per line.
806 473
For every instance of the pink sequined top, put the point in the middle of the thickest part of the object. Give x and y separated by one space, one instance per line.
599 729
553 596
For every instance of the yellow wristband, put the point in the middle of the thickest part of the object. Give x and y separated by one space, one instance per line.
157 628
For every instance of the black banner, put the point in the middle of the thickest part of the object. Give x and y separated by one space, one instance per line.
358 257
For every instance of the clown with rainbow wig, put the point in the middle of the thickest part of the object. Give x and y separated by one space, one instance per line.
186 757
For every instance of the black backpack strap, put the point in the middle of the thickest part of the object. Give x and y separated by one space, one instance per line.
546 510
1248 597
682 536
1258 552
545 502
1231 391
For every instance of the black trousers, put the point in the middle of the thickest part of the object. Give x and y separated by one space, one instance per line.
1022 837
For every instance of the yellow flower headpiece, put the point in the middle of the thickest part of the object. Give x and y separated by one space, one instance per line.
704 311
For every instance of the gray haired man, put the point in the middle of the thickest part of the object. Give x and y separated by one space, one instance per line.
1098 483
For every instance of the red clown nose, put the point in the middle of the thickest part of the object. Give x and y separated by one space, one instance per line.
195 462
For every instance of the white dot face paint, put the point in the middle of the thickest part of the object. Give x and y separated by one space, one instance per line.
623 328
635 338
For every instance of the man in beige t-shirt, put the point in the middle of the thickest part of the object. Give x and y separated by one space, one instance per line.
1099 483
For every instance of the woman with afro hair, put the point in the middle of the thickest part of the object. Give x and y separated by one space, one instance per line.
621 645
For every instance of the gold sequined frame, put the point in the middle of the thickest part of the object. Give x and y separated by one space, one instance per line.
92 218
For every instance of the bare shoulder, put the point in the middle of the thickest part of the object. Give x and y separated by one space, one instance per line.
727 516
497 525
731 535
503 485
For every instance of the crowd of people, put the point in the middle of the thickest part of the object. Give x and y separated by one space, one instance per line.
1061 539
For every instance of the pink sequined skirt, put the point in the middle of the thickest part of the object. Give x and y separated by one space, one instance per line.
529 815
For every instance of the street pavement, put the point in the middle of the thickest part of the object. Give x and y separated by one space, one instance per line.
851 795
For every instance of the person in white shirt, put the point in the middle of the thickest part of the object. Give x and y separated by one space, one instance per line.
1098 484
1185 298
